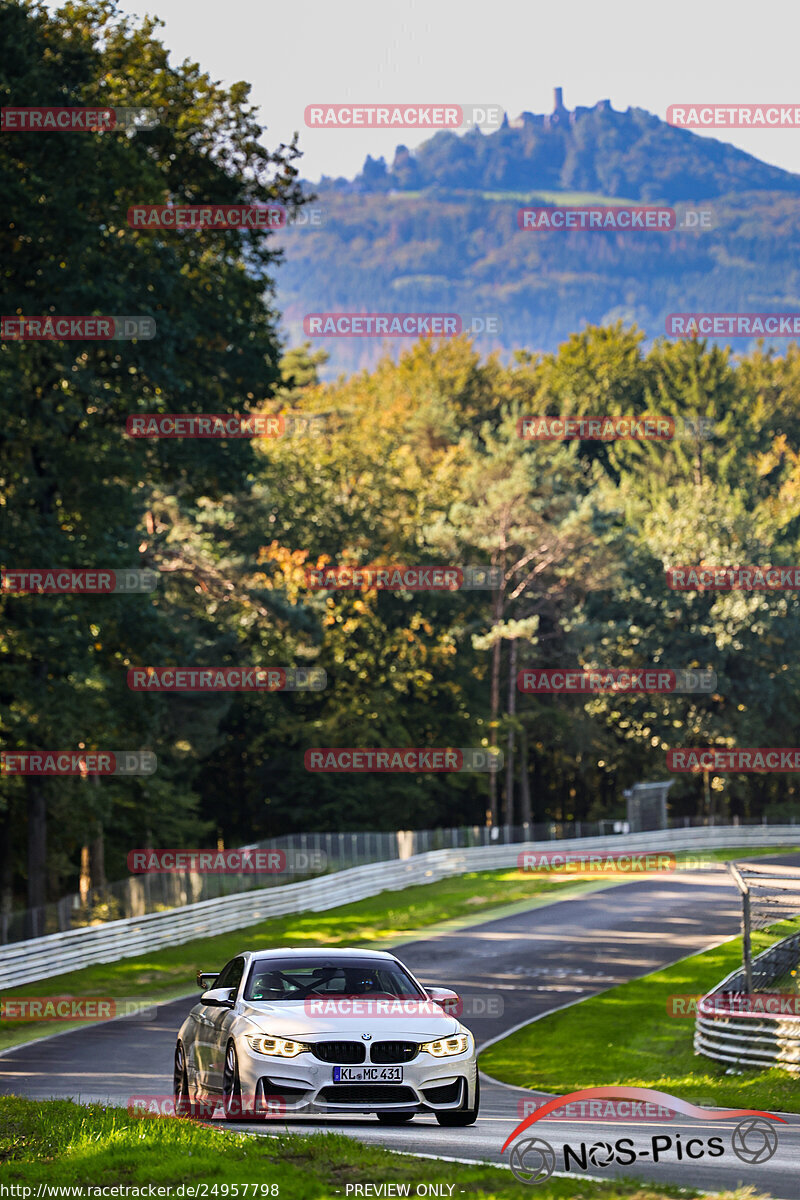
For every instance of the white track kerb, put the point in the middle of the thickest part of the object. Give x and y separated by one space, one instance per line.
57 953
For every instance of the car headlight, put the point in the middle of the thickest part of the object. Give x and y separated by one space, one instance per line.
446 1046
278 1047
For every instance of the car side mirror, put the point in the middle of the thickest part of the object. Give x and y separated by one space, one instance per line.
219 998
447 999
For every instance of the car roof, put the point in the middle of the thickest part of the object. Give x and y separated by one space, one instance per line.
316 952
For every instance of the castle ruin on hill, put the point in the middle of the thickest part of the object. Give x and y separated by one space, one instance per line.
559 116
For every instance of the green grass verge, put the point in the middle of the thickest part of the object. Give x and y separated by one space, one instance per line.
390 917
381 921
626 1036
58 1142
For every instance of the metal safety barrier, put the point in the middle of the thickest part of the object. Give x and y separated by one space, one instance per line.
770 1039
57 953
307 854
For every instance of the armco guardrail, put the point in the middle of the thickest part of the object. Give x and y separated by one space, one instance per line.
337 851
761 1040
310 854
41 958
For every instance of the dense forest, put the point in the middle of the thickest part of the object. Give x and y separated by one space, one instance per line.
417 461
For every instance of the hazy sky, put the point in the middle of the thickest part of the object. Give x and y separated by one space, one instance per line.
507 52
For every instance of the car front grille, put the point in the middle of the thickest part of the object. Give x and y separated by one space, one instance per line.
340 1052
365 1094
393 1052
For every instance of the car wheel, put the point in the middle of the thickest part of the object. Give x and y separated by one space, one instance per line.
394 1118
462 1116
180 1084
184 1105
232 1087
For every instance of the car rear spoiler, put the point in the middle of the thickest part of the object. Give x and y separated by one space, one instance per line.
205 979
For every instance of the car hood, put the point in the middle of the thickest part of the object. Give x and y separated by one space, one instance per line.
420 1023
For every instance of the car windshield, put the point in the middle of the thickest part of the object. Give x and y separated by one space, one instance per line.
275 979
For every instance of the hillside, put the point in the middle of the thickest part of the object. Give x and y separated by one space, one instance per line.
437 231
631 154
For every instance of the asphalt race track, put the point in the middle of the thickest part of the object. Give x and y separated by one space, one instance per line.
535 961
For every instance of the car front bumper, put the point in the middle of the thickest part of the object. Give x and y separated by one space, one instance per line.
280 1085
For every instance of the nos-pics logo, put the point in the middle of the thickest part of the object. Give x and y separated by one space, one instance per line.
533 1159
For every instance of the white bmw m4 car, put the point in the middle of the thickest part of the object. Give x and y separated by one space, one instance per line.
337 1031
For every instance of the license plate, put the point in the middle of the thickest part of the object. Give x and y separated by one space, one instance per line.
367 1074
